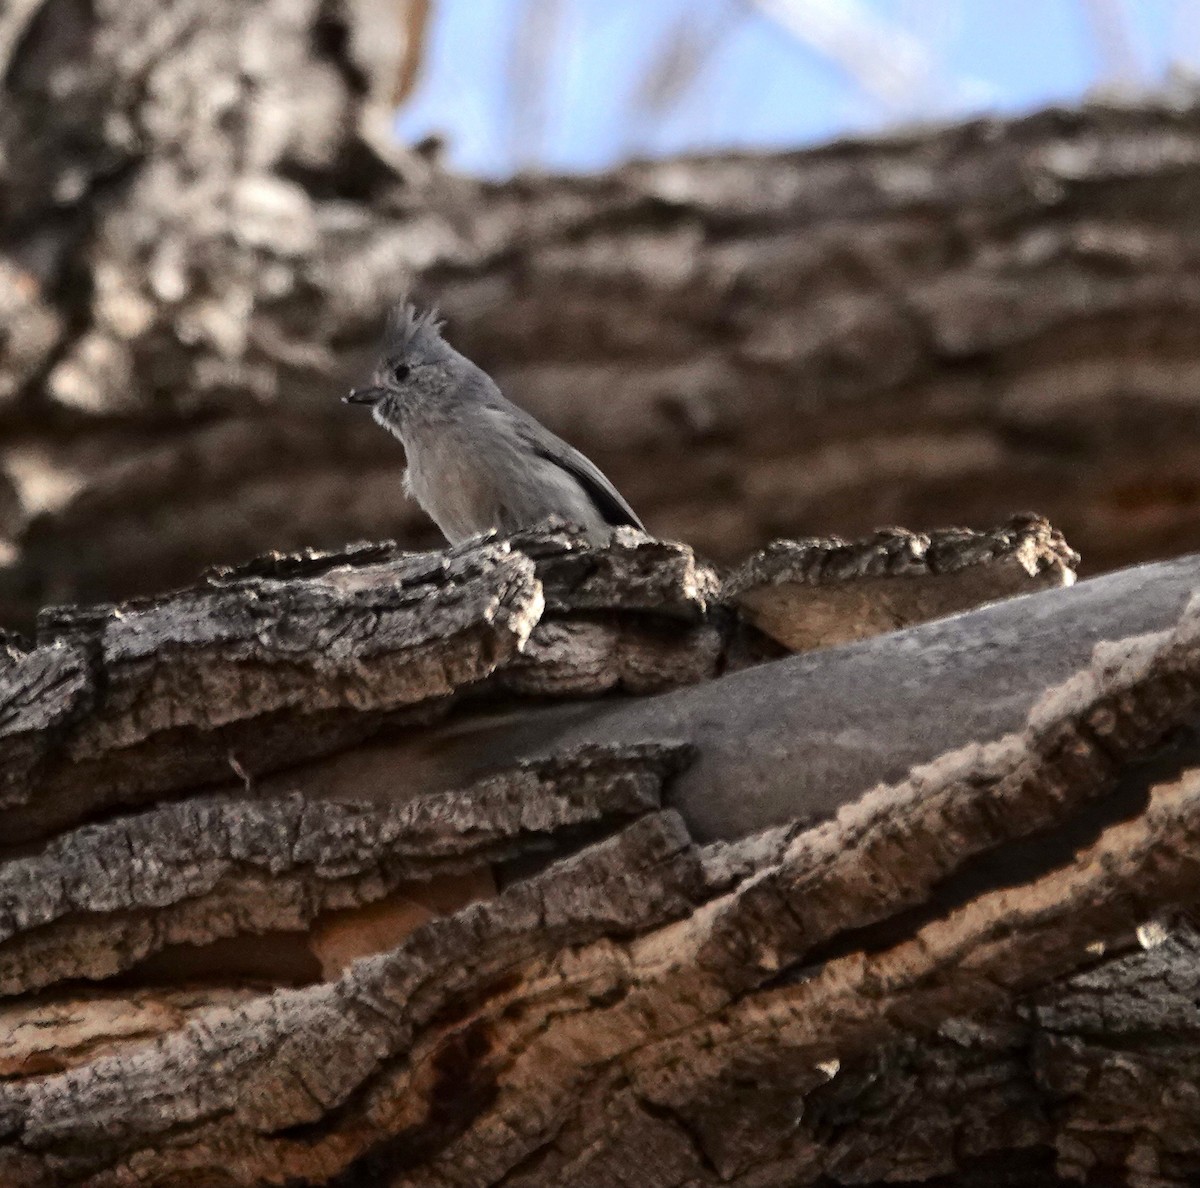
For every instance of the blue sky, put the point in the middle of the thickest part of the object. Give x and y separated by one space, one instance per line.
760 86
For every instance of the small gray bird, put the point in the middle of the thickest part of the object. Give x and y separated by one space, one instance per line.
476 462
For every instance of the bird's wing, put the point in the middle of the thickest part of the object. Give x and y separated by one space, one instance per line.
608 500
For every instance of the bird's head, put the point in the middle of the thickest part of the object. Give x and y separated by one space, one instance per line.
417 368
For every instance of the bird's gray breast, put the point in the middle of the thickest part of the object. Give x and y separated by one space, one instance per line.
450 483
478 475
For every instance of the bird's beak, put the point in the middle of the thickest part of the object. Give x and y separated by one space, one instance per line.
363 396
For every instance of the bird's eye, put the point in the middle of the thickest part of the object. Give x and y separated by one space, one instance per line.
400 372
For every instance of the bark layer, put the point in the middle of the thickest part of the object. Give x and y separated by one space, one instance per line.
460 948
288 660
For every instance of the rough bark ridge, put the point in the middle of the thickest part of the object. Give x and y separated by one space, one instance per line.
203 225
427 927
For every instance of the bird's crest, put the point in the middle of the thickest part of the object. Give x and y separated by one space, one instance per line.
410 330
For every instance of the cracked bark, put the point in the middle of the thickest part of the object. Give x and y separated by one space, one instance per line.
540 913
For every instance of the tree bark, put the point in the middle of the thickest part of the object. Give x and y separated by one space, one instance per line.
527 863
309 881
204 226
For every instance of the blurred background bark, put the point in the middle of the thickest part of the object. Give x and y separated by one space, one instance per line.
204 220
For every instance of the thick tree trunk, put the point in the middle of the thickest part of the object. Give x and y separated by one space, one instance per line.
530 864
202 231
306 883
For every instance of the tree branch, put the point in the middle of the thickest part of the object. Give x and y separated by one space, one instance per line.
367 967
